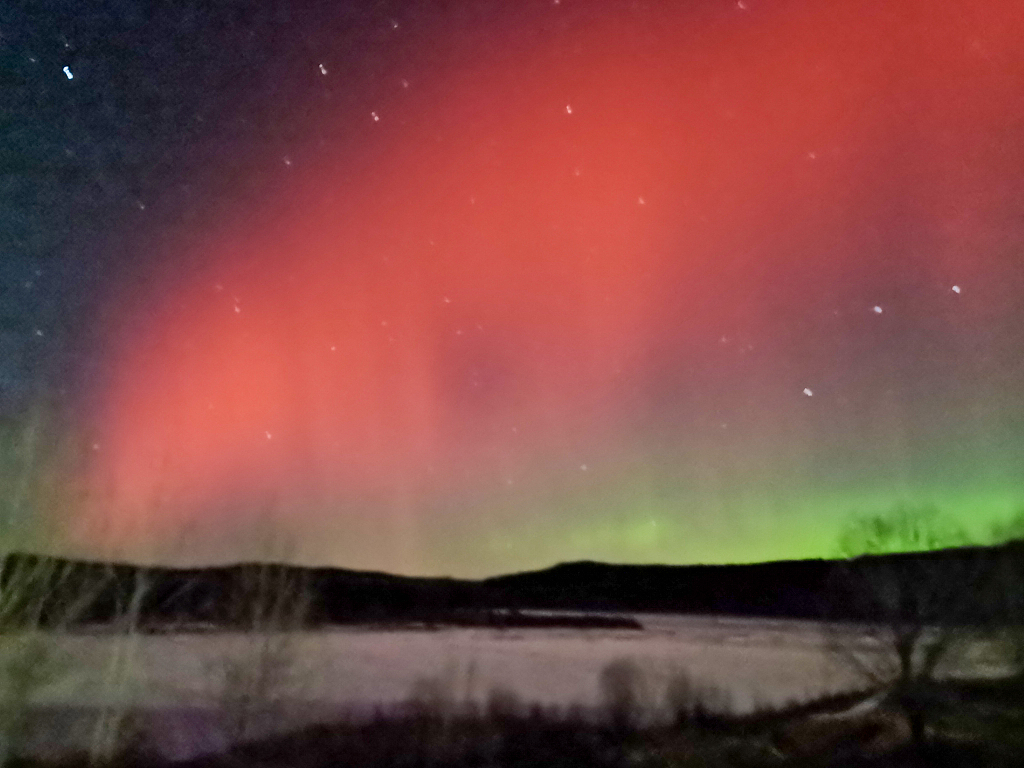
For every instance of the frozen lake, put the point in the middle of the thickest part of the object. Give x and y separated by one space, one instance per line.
751 661
748 662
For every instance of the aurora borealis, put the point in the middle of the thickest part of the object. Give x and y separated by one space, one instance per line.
668 282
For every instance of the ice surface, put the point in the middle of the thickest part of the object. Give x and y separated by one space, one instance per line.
750 662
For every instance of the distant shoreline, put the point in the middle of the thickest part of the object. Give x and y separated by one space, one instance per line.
495 619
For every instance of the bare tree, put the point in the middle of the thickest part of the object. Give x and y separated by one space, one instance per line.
914 610
115 729
269 604
40 596
1009 581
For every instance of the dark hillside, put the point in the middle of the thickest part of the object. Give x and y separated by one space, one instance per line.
788 589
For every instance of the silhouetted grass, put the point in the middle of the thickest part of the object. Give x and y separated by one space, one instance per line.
984 731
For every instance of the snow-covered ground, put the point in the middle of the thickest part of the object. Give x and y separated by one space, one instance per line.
747 663
753 661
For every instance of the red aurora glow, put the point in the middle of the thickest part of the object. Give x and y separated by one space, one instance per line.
511 250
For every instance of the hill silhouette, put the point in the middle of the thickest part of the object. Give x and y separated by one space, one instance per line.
569 594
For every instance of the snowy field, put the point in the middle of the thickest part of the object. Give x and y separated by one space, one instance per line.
174 678
751 661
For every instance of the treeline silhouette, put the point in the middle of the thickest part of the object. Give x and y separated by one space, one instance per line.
571 594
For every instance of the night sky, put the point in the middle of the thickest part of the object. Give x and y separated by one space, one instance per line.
471 287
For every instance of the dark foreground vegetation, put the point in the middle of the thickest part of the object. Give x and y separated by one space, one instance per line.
981 725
